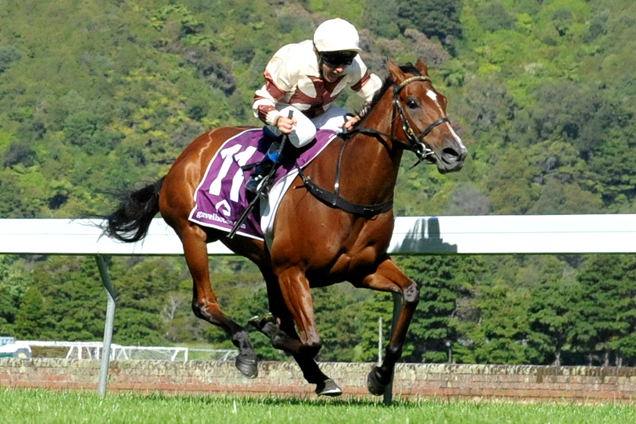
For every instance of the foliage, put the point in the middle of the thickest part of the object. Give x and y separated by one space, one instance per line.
31 317
553 315
380 16
493 16
8 54
373 315
100 96
433 18
14 283
607 308
500 336
442 280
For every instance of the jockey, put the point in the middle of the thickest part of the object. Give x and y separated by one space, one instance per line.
306 78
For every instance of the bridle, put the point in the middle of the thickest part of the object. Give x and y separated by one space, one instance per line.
415 142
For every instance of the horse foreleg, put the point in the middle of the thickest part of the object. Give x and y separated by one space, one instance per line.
295 291
204 302
388 277
325 386
284 336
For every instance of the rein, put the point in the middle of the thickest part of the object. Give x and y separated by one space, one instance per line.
415 144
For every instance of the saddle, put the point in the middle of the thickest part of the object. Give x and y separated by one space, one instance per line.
221 197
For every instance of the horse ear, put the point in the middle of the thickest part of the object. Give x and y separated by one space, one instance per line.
396 73
422 67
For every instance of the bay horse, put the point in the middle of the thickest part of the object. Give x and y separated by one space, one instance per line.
347 242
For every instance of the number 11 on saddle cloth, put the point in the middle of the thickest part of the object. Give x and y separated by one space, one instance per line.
221 197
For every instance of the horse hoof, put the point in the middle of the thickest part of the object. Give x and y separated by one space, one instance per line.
328 388
246 366
375 386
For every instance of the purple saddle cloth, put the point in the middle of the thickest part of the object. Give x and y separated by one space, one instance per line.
221 197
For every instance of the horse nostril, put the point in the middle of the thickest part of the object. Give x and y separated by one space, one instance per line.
450 155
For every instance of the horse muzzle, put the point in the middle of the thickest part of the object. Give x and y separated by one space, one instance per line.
451 157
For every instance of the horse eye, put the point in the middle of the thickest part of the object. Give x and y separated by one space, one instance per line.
412 104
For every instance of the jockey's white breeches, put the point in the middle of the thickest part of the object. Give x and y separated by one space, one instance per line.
306 128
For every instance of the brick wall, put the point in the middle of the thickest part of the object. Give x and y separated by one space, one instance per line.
412 381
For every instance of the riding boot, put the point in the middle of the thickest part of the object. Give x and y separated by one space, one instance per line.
271 159
259 173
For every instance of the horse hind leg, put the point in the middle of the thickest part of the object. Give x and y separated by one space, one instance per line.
204 302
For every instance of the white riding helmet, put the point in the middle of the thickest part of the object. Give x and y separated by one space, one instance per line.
336 35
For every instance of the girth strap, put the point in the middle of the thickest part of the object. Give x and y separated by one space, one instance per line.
334 200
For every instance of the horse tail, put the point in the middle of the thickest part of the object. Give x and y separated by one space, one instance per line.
136 210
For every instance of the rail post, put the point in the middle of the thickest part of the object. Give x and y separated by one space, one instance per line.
108 327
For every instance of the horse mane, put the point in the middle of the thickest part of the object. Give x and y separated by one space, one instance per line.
388 82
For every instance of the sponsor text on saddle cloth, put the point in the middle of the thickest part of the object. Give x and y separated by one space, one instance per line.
221 197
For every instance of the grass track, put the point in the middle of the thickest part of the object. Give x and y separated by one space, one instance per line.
43 406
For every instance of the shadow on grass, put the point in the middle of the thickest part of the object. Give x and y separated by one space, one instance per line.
270 400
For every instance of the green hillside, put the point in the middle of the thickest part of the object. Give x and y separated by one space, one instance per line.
100 96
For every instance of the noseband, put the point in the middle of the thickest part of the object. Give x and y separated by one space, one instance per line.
416 144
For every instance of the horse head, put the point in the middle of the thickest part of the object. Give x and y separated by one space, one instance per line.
422 112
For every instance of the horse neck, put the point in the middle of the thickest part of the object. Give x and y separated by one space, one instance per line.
379 159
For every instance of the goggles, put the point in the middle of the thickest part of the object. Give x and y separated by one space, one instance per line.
337 59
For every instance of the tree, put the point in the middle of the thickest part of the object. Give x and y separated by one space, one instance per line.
564 180
18 153
607 307
442 281
510 184
369 311
488 109
338 322
142 293
468 200
614 170
434 18
492 16
32 319
562 19
577 114
15 281
74 299
8 311
381 16
8 54
500 336
553 315
559 198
